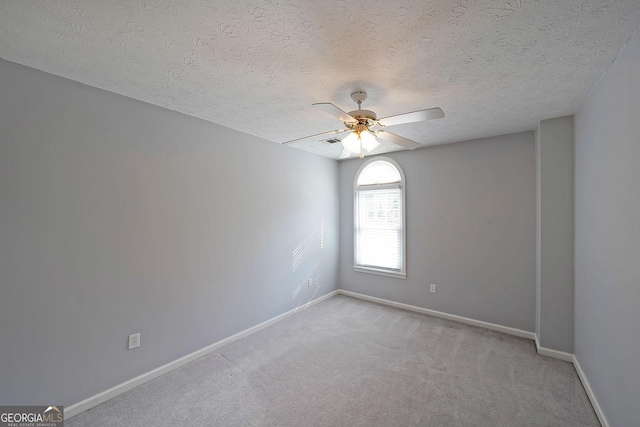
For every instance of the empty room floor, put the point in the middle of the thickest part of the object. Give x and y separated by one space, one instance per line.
347 362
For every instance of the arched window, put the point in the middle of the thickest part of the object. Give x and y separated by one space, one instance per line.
379 231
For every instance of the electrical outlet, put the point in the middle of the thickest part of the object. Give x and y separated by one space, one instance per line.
432 288
134 340
310 282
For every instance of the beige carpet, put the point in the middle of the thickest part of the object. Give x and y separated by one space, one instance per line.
346 362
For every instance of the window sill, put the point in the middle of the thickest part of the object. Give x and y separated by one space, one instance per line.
379 272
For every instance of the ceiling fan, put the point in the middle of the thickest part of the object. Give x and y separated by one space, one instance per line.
362 127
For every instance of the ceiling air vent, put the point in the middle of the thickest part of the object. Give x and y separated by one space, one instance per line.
332 141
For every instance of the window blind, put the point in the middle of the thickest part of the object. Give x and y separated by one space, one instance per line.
378 230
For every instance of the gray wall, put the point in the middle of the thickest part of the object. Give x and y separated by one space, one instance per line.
607 238
119 217
470 230
554 239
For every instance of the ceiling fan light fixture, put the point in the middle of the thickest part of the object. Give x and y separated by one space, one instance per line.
352 143
360 142
369 141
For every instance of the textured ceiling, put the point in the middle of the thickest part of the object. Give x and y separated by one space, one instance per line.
494 67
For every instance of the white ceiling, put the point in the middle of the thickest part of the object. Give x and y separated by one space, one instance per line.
494 67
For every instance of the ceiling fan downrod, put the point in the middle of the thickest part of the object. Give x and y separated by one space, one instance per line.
359 97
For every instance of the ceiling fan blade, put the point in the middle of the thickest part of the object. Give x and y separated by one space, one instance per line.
416 116
344 154
334 111
398 140
316 136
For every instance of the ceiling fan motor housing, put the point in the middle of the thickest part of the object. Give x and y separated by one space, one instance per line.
363 115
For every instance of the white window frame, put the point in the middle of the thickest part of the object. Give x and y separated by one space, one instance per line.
402 274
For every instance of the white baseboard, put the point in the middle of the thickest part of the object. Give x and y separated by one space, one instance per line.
556 354
592 397
102 397
440 314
